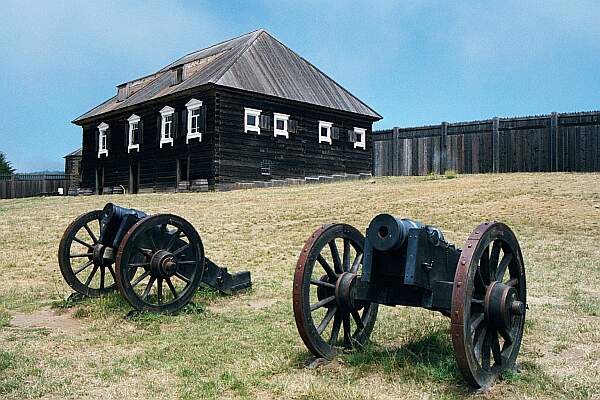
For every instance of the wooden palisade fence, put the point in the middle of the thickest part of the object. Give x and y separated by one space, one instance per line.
29 185
556 142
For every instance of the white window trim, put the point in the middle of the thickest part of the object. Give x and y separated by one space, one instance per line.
164 113
192 105
130 146
363 138
281 132
328 125
102 128
252 128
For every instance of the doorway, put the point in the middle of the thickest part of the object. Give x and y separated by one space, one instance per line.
99 180
134 178
183 170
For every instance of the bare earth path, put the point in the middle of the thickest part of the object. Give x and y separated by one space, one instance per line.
246 346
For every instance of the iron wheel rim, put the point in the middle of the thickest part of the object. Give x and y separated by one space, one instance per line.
492 256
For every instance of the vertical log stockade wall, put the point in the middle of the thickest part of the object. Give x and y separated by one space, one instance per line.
555 142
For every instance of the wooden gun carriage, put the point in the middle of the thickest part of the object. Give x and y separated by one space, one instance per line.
157 262
341 278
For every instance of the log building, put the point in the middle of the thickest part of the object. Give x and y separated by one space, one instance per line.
248 109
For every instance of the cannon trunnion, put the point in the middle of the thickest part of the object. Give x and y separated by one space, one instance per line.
156 261
342 277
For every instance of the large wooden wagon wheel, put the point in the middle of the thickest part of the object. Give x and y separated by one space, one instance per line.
160 263
327 316
488 304
81 258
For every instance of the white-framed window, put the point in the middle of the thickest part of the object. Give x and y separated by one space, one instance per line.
166 126
325 132
194 108
102 139
133 142
361 138
280 125
252 120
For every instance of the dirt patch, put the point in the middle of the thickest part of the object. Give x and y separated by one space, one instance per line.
258 304
48 319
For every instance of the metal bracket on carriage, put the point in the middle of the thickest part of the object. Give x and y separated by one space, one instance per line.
219 278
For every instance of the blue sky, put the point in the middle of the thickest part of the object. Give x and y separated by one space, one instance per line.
415 62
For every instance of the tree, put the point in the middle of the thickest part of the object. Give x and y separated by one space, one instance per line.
5 167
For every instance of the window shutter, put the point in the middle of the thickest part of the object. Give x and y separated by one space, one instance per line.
351 136
141 131
97 142
108 139
126 135
184 122
158 127
265 122
202 121
335 133
292 126
175 125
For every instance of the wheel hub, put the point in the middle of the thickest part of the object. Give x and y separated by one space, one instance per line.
102 255
501 304
345 291
163 264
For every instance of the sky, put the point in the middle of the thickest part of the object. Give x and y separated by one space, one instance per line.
414 62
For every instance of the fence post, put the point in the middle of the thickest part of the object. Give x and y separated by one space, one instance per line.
13 187
554 141
443 144
496 145
395 155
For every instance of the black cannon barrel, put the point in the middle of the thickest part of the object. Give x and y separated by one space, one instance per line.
387 232
116 220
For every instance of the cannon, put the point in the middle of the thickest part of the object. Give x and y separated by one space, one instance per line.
157 262
342 277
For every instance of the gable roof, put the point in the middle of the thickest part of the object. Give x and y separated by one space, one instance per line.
75 153
255 62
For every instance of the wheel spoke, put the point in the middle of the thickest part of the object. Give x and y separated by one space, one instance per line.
506 335
477 302
322 283
478 339
138 265
475 322
89 279
503 266
321 303
144 252
479 280
357 319
172 288
346 265
148 288
159 292
152 241
89 246
356 263
140 278
335 330
330 273
484 265
347 333
89 231
513 282
182 277
112 272
87 264
102 273
172 239
187 262
326 320
496 349
485 351
79 255
182 248
335 254
494 257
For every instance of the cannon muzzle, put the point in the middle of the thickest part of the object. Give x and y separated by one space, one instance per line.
387 232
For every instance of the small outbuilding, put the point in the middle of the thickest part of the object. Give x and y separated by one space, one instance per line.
247 109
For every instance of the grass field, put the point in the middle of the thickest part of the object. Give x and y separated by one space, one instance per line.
247 346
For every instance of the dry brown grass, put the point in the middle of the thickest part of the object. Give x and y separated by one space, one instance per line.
246 346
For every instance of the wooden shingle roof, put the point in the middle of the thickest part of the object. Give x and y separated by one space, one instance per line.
256 62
